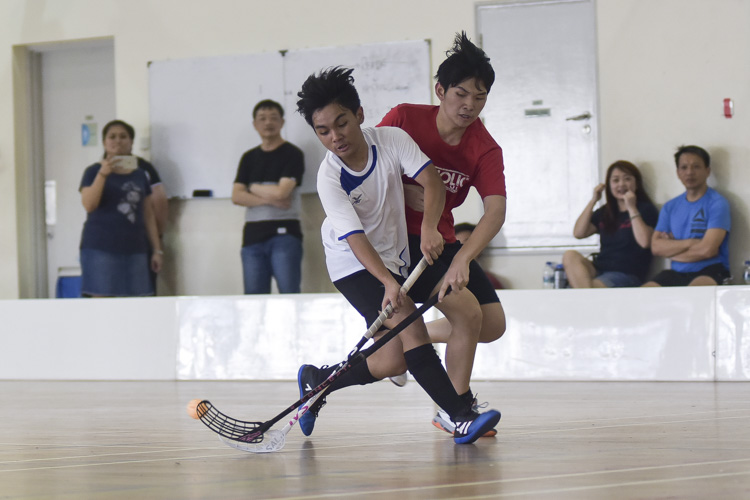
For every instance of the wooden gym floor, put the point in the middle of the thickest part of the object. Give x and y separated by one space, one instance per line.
557 440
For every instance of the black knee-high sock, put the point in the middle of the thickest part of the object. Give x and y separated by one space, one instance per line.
426 368
359 374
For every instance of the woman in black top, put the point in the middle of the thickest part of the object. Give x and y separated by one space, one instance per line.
625 225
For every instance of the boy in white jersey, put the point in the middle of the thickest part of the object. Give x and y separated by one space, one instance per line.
364 235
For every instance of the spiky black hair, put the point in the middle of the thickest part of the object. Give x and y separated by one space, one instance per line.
465 60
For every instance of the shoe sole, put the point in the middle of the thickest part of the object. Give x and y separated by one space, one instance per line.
490 433
441 427
396 383
487 421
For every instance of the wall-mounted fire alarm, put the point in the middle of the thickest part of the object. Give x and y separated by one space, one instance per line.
728 108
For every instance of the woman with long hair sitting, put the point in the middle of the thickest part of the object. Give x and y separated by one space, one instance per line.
625 225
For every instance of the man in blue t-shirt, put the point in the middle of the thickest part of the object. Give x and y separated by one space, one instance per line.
693 228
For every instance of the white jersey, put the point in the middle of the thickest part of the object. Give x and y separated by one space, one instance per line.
369 202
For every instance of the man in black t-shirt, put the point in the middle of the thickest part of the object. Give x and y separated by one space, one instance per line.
266 184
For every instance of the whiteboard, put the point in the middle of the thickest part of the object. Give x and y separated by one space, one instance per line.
201 117
201 108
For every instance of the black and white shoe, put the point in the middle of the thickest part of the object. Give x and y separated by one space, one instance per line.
470 428
443 421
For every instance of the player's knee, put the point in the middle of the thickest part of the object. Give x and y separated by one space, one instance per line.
397 367
405 309
468 314
493 325
491 334
414 334
475 319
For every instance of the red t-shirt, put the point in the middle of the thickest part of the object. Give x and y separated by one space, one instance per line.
476 161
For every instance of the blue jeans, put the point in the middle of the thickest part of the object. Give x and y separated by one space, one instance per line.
279 257
616 279
110 274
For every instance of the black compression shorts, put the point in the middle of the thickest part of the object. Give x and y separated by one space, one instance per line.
479 284
365 292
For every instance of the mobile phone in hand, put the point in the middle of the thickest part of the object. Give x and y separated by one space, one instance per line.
126 163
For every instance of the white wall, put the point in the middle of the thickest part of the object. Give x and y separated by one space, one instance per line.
664 68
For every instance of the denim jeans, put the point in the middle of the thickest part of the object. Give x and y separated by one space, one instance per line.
279 257
110 274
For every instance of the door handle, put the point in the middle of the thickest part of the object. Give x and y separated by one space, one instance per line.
583 116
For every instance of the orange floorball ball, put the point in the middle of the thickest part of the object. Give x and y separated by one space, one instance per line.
192 409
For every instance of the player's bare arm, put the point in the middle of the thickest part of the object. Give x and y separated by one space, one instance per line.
414 197
434 202
457 276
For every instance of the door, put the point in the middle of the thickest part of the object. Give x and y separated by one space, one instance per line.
542 111
78 99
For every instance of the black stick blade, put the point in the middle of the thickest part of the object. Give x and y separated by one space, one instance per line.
228 427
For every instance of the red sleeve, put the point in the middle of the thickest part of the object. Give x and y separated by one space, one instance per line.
391 119
490 176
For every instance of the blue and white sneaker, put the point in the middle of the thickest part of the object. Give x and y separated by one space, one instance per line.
443 421
308 378
474 426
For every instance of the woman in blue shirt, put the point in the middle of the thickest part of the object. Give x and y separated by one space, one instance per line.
121 228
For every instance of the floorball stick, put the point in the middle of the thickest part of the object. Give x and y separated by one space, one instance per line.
274 440
257 437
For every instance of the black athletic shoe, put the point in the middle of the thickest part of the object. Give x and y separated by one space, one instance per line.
308 378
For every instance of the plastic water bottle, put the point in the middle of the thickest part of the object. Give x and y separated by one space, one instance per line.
561 280
548 275
746 273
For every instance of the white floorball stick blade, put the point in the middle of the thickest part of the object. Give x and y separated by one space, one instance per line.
272 441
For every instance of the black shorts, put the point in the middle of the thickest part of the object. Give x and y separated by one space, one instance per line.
365 292
479 284
668 277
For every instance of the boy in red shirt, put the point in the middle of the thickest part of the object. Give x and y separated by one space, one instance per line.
465 155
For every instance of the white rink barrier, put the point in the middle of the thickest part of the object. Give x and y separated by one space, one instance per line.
659 334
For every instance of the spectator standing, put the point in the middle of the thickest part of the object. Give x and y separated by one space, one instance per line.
120 242
267 184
